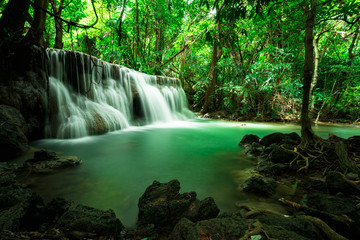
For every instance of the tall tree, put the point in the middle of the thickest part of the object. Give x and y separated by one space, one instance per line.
58 23
308 136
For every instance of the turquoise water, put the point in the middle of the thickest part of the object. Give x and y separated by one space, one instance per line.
118 166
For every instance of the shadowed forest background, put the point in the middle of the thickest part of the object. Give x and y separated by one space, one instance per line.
245 59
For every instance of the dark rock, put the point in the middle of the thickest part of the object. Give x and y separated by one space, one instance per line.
12 133
292 139
280 155
85 219
274 169
345 216
55 208
163 205
20 208
291 228
142 232
45 161
259 185
314 185
337 182
43 155
254 149
227 226
249 139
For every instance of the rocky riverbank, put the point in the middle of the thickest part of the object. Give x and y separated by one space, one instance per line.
316 202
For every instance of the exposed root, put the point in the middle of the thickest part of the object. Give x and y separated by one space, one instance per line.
328 231
259 212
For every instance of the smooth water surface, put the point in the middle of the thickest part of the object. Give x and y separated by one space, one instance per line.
118 166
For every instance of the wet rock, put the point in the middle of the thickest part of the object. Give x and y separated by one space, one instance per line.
249 139
253 149
337 182
142 232
314 185
259 185
291 228
272 168
163 205
45 161
292 139
226 226
83 219
339 212
13 140
280 155
20 209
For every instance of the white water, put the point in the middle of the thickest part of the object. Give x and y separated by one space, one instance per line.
88 96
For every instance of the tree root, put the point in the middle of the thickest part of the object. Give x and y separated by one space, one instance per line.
328 231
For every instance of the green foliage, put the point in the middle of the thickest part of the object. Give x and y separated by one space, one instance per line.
260 70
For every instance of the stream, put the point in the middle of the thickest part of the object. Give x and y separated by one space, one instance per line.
118 166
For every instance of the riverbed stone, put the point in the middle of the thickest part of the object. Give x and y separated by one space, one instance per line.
280 155
226 226
337 182
86 219
249 139
292 139
12 133
259 185
20 209
45 161
163 205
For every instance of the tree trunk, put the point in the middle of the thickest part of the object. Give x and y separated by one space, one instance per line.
36 33
316 72
308 136
210 91
13 19
120 22
58 24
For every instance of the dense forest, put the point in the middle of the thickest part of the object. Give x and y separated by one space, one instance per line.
245 59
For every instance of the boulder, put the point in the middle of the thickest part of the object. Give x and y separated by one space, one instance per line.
13 131
45 161
20 209
274 169
337 182
163 206
339 212
292 139
259 185
249 139
85 220
234 226
226 226
280 155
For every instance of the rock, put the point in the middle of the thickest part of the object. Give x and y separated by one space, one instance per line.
163 206
292 139
249 139
83 219
227 226
291 228
314 185
253 149
345 218
259 185
337 182
12 133
279 155
20 208
234 226
274 169
45 161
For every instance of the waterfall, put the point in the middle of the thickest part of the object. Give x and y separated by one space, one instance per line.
89 96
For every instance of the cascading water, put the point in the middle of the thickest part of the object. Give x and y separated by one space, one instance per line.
88 96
